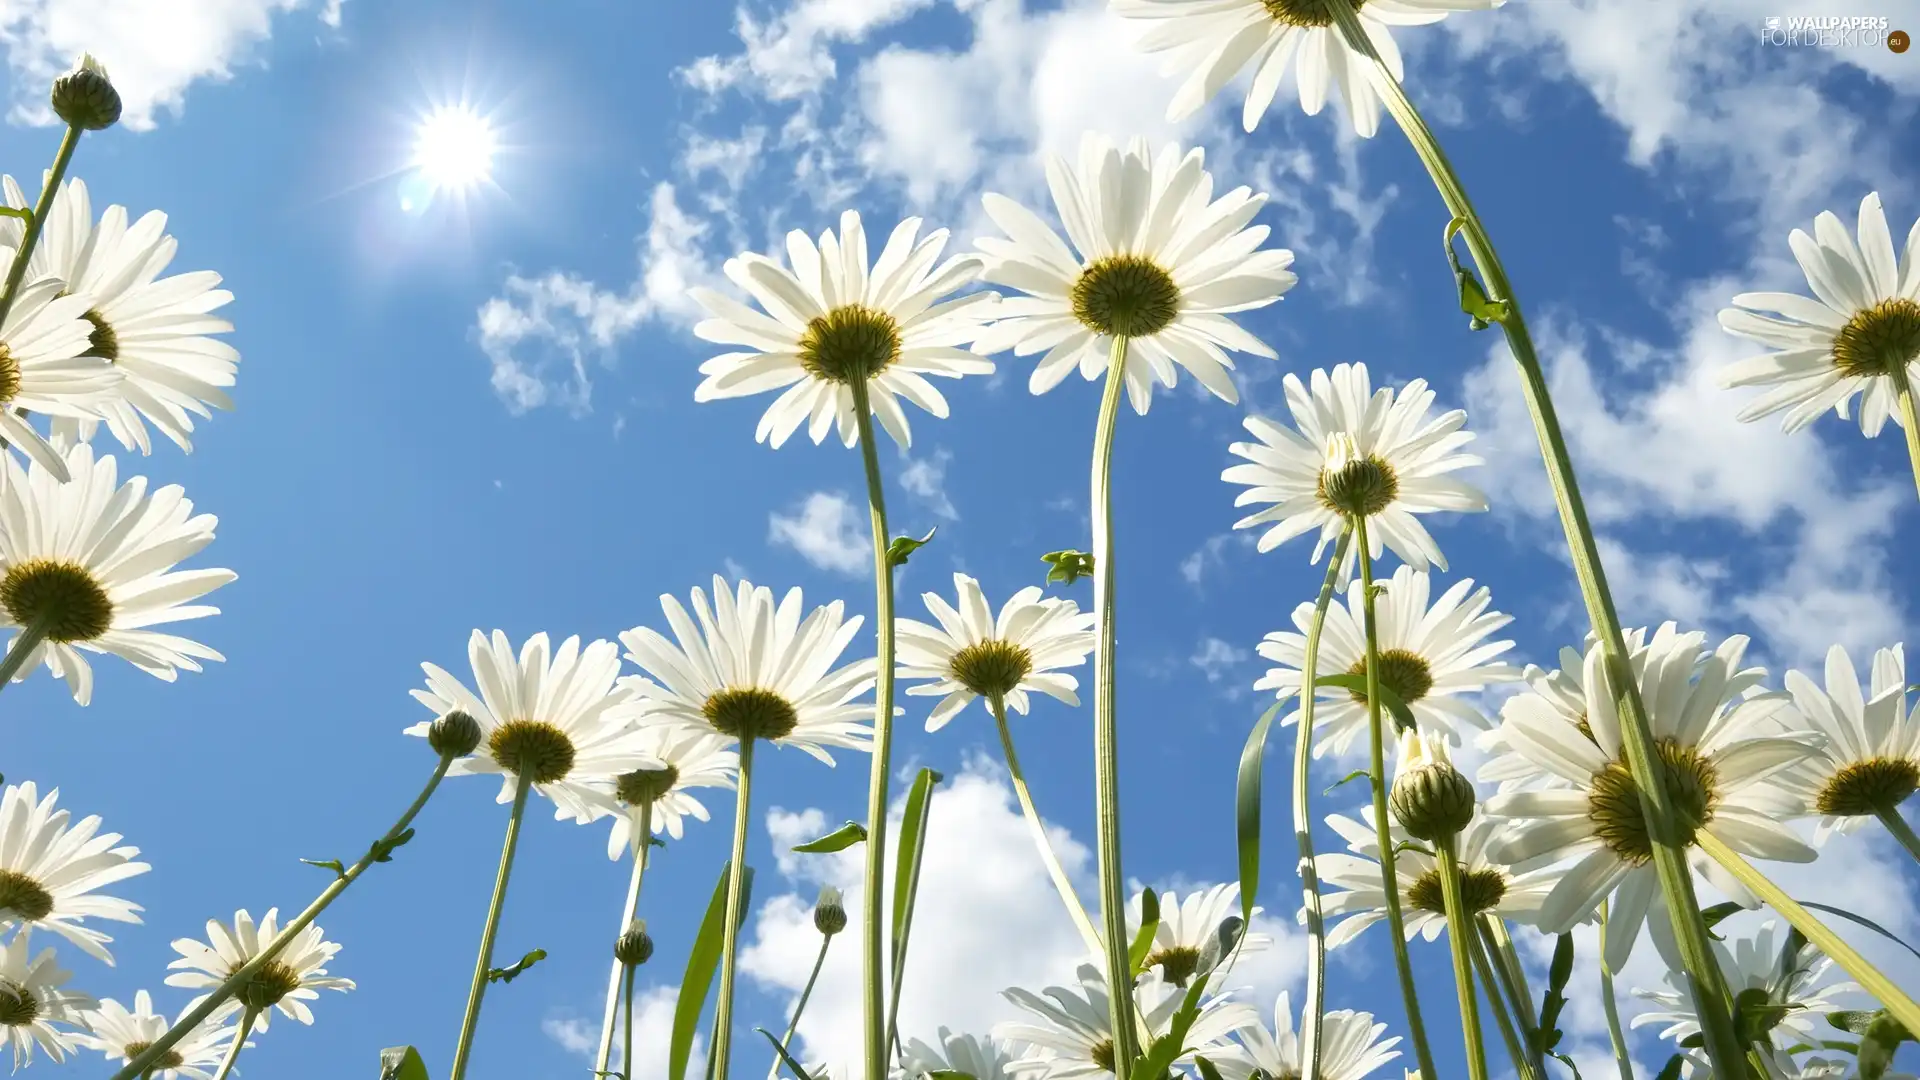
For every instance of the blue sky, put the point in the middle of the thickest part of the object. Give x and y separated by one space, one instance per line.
482 416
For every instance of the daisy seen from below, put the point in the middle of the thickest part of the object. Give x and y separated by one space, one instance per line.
1718 745
287 982
558 720
1074 1035
981 1058
50 869
1867 759
1186 925
1156 261
1355 452
1429 655
1214 40
123 1034
972 654
87 565
1796 984
45 368
1487 885
1350 1047
32 1001
832 331
154 331
689 760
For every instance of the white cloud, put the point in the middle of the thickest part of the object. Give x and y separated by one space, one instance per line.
652 1034
926 479
826 532
154 49
575 1036
544 335
732 160
1216 659
788 56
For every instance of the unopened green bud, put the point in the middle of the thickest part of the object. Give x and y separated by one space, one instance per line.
454 735
85 97
829 914
634 947
1430 798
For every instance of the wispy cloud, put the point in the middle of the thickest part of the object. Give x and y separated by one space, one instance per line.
825 531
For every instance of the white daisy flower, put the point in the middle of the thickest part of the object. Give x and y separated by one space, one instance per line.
1216 39
32 1002
830 324
749 669
1487 884
152 330
1159 261
92 561
1867 761
564 719
49 870
1429 655
1758 963
1355 452
1550 695
124 1034
287 982
1187 925
45 369
981 1058
690 760
1075 1037
1712 728
1861 326
972 654
1350 1046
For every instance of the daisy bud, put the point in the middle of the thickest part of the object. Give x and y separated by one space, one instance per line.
1430 798
634 947
85 97
454 735
829 915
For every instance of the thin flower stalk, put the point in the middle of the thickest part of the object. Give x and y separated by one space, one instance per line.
1460 934
29 639
140 1063
1611 1003
1903 832
239 1044
1903 392
470 1021
626 1025
627 913
1676 881
793 1025
1106 755
1389 880
873 897
1518 1042
1038 829
1493 945
730 929
41 211
1313 1020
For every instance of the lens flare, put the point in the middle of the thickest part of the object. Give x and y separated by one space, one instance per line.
453 149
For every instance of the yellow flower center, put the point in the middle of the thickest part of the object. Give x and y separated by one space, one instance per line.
9 375
1102 1054
1868 787
1308 13
751 713
1404 672
1692 786
850 344
23 897
168 1059
1177 963
63 596
991 668
102 342
532 748
1879 339
1125 296
643 786
264 988
18 1007
1480 890
1362 487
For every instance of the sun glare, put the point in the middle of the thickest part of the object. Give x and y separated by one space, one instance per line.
454 148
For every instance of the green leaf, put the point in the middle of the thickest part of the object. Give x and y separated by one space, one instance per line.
906 878
402 1063
334 865
838 840
904 546
1755 1014
949 1074
1149 926
1246 808
383 847
1067 567
1357 774
785 1058
24 215
1390 701
1863 921
703 961
1473 299
1852 1021
657 842
1878 1043
1167 1048
1671 1070
1547 1036
1567 1061
1717 914
1207 1069
518 968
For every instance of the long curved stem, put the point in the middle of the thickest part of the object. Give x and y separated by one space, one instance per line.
41 211
1498 991
819 961
1818 933
1389 874
644 830
1903 832
471 1021
1038 829
1460 935
31 635
730 936
626 1027
1616 1035
1311 1019
1903 392
873 892
1669 857
239 1043
144 1060
1494 946
1106 753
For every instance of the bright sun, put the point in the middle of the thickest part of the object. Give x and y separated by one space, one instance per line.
454 148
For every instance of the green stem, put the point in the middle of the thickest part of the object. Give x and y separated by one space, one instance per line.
627 912
873 898
806 992
1498 990
1389 875
1622 1059
626 1026
470 1022
224 992
1038 829
31 635
1504 962
1903 832
1460 934
736 899
1669 856
904 931
239 1043
41 210
1823 938
1106 753
1312 1021
1903 392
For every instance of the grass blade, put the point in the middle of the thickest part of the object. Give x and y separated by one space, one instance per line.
703 962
